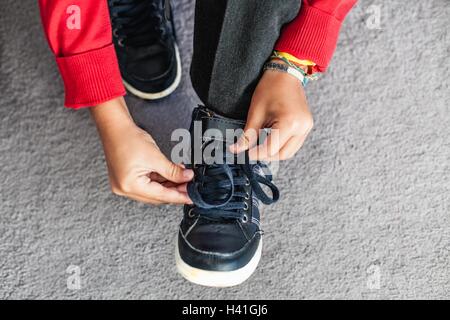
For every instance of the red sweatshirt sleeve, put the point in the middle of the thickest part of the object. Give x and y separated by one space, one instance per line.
313 34
79 34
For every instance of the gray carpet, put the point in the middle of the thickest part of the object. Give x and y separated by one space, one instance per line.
365 209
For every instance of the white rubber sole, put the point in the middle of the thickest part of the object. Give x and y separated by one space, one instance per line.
164 93
219 279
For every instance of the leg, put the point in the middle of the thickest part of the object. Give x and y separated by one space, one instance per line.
232 40
220 239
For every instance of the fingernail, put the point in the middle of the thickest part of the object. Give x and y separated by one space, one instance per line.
188 174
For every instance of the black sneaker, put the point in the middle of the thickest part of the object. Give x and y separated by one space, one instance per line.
144 38
219 240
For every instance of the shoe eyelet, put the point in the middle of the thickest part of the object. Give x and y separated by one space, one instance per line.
247 196
245 206
247 183
190 213
120 42
115 33
244 218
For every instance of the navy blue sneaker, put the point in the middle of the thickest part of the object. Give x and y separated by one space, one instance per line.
219 240
144 39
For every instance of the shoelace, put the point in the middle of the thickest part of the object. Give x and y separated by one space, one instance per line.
137 22
217 191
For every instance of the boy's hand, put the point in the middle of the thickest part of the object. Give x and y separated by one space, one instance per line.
137 168
278 103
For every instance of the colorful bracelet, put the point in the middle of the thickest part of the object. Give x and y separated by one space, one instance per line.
286 69
294 59
308 74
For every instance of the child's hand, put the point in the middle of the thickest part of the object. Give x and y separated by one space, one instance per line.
137 168
279 103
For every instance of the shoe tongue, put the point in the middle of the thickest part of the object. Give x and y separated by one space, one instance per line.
210 131
209 126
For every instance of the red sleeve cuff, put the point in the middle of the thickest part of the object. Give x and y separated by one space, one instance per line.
91 78
311 36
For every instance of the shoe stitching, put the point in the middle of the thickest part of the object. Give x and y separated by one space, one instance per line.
256 221
217 254
192 227
243 231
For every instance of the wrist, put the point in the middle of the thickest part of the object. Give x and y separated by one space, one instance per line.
112 115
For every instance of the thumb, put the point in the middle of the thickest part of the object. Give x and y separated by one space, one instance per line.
172 171
250 136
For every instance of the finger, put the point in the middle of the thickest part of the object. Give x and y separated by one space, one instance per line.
289 150
250 136
156 191
171 171
169 184
152 192
154 176
273 144
180 187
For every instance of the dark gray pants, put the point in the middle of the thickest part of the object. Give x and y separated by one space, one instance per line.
232 40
